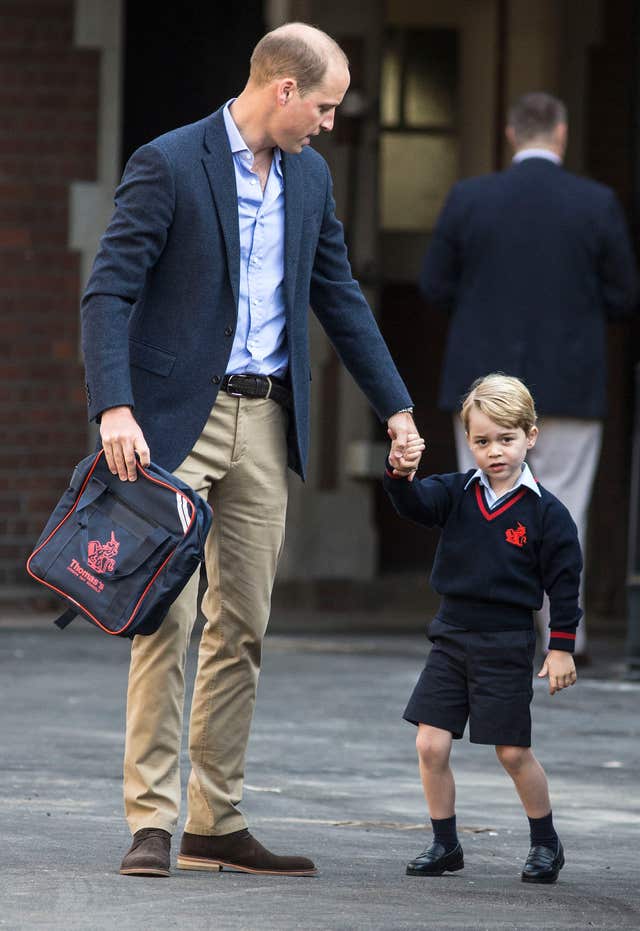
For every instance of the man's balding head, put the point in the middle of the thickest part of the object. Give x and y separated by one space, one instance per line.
298 51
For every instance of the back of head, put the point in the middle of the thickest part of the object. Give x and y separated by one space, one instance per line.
295 50
504 399
534 117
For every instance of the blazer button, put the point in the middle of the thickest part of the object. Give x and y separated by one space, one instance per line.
228 331
216 379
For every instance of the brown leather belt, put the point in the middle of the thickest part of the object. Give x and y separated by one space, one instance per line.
258 386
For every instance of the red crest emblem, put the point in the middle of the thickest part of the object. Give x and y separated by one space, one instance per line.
517 535
101 557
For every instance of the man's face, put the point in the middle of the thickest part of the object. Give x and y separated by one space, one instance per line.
304 116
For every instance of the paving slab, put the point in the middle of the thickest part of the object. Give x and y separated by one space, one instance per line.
331 774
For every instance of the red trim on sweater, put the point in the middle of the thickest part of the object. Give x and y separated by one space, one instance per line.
491 515
562 635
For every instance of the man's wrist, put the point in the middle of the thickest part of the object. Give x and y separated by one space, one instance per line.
403 410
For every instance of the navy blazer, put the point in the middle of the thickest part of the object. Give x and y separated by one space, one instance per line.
531 262
160 308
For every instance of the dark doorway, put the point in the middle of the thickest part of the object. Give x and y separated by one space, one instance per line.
416 336
182 61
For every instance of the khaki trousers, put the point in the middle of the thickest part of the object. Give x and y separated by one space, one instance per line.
564 459
239 464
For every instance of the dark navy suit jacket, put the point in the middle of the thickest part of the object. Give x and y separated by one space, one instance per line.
531 262
159 310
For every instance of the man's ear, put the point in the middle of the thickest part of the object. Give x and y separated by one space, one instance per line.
511 137
285 90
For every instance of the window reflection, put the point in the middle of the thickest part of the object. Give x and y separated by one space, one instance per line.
431 78
418 115
416 172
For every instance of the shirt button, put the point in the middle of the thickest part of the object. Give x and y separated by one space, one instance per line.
216 379
228 331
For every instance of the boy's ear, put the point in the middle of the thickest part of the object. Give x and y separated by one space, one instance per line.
532 437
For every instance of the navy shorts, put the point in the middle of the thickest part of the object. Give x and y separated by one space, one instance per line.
483 676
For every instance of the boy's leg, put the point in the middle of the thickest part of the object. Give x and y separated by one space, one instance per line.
445 853
434 750
528 777
546 856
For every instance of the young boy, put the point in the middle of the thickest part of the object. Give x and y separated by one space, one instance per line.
505 540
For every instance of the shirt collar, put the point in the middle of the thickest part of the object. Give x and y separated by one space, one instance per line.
238 144
536 153
526 479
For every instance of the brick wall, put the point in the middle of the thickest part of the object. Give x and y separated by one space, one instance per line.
48 126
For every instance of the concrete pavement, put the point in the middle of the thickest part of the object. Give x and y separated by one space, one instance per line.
331 774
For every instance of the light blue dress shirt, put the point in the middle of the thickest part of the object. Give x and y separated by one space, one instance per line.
260 342
525 478
533 152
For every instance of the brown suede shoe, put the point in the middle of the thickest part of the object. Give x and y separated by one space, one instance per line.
237 851
148 855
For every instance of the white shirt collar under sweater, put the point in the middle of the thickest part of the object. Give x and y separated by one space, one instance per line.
526 479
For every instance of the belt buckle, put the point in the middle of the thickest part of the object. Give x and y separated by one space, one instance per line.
234 394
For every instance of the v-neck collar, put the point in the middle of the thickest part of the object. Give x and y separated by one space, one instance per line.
491 515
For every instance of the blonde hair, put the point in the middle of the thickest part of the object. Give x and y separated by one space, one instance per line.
502 398
295 50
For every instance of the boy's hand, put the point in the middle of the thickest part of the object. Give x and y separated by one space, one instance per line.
410 459
560 668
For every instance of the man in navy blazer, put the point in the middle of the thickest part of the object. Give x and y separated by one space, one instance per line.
531 262
196 344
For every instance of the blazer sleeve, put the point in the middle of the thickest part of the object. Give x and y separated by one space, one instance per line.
617 266
340 306
440 273
130 246
425 501
561 565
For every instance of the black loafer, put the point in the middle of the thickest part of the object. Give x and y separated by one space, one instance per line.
543 865
434 861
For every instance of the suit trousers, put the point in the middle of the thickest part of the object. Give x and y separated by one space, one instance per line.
239 463
565 460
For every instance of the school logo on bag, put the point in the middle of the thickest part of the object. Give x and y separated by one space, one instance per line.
101 557
517 535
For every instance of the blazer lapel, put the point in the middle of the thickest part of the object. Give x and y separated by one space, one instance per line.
218 164
293 212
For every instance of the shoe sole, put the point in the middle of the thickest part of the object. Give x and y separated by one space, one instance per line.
543 880
216 866
447 869
144 872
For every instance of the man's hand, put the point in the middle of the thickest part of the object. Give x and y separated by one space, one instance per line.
399 426
411 457
121 439
560 668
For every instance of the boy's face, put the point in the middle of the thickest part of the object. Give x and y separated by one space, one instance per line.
498 451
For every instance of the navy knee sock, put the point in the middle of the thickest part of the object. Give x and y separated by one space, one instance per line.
543 833
444 832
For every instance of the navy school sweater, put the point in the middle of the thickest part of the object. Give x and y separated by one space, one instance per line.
492 567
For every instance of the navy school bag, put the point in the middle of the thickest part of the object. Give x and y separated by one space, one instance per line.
120 553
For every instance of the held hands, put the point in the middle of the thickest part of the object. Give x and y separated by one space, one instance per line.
121 439
406 449
560 668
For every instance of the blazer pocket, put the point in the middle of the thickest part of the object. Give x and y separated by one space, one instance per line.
148 357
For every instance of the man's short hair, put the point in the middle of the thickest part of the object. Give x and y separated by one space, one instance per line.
295 50
502 398
535 116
